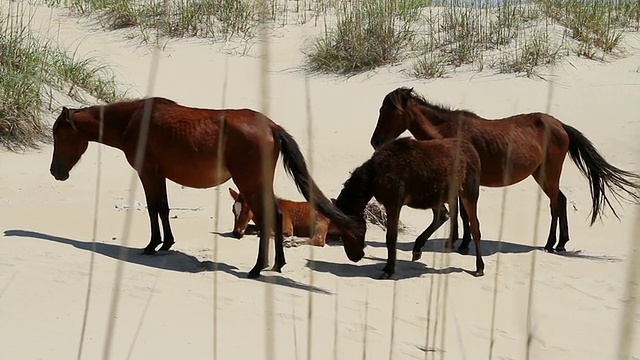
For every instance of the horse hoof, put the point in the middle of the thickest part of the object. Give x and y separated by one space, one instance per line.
289 243
478 273
416 255
549 249
253 274
463 251
149 251
385 276
277 268
560 249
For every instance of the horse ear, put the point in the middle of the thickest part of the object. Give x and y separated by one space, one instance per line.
233 193
67 114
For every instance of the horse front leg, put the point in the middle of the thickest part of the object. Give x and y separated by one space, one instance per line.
393 217
155 192
440 216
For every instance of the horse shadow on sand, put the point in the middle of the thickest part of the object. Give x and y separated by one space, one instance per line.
172 260
404 269
491 247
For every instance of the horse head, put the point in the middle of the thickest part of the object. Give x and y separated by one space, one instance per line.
68 144
241 214
353 245
393 118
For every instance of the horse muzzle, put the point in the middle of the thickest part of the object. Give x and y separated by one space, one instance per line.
355 256
238 234
59 174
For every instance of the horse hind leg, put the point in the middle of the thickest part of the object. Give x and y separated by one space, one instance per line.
266 225
279 238
549 184
440 216
163 212
470 204
453 231
564 223
466 237
319 232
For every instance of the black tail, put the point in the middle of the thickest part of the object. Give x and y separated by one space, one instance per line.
602 176
296 167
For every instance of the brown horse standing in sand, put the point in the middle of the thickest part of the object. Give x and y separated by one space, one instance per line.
198 148
298 219
510 150
418 174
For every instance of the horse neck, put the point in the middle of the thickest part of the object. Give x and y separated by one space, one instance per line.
115 120
428 123
357 192
355 207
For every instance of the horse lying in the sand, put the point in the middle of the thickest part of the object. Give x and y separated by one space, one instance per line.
298 219
421 175
198 148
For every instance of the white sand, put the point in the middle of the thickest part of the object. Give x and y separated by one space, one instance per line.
170 306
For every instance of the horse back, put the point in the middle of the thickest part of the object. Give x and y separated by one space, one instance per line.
187 144
422 173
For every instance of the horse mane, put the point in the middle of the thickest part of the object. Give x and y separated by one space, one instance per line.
357 191
412 94
126 105
132 102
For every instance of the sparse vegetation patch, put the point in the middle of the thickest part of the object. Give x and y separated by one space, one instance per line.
32 71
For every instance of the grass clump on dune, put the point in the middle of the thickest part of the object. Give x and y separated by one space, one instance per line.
32 71
598 25
368 34
217 19
518 36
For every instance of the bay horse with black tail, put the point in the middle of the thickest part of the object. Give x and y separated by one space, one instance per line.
298 219
511 149
418 174
198 148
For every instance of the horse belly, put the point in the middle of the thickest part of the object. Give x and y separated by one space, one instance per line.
497 171
424 203
198 175
498 176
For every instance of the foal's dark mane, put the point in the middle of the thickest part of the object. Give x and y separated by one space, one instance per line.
442 109
357 191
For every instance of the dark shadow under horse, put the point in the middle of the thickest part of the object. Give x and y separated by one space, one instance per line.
172 260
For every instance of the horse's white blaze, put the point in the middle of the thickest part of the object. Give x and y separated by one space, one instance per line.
237 208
